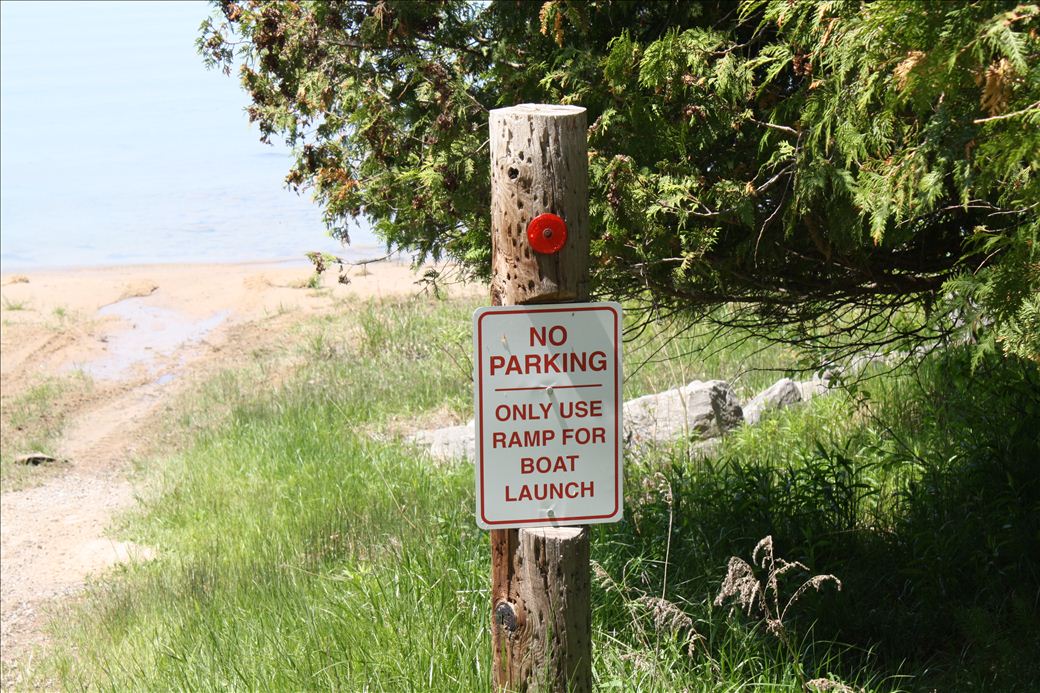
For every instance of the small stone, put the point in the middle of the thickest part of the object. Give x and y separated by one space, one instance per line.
704 448
35 458
446 444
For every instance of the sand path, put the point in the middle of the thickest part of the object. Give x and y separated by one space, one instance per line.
142 334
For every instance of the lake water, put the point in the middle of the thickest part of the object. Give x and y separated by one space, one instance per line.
117 146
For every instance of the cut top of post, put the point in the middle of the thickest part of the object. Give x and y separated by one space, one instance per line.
540 109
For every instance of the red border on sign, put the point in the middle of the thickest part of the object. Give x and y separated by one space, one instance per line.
617 413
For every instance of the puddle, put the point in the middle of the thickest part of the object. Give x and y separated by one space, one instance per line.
154 332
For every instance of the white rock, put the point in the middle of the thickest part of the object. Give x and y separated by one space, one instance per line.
702 409
782 393
446 444
811 388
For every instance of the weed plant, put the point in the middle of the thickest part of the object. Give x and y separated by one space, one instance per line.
14 304
304 546
32 421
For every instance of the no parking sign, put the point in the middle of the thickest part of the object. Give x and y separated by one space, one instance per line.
547 401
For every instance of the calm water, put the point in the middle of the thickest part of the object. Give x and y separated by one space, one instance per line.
119 147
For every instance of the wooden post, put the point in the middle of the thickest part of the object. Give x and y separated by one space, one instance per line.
539 163
540 629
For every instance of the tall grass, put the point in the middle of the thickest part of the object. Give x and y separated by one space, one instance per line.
295 556
303 546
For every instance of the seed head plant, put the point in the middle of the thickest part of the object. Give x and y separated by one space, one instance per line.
754 588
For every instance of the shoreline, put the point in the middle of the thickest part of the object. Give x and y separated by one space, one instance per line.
378 255
56 320
91 287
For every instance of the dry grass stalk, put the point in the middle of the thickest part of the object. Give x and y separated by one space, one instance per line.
759 592
669 619
824 685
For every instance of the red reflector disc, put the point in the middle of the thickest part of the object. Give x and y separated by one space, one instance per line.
547 233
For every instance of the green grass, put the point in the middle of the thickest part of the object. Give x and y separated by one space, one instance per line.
306 558
673 353
14 305
301 548
32 422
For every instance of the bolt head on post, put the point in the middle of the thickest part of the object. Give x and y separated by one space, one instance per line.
547 234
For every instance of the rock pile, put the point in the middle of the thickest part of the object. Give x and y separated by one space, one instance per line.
698 410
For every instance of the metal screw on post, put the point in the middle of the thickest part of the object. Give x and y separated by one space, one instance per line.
540 254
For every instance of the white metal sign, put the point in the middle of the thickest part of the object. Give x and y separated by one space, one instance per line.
547 400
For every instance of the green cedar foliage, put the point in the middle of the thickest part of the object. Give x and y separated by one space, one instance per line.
815 165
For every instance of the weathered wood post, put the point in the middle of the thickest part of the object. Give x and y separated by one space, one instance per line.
539 577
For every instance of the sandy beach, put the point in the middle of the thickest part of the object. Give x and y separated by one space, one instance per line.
115 345
79 318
